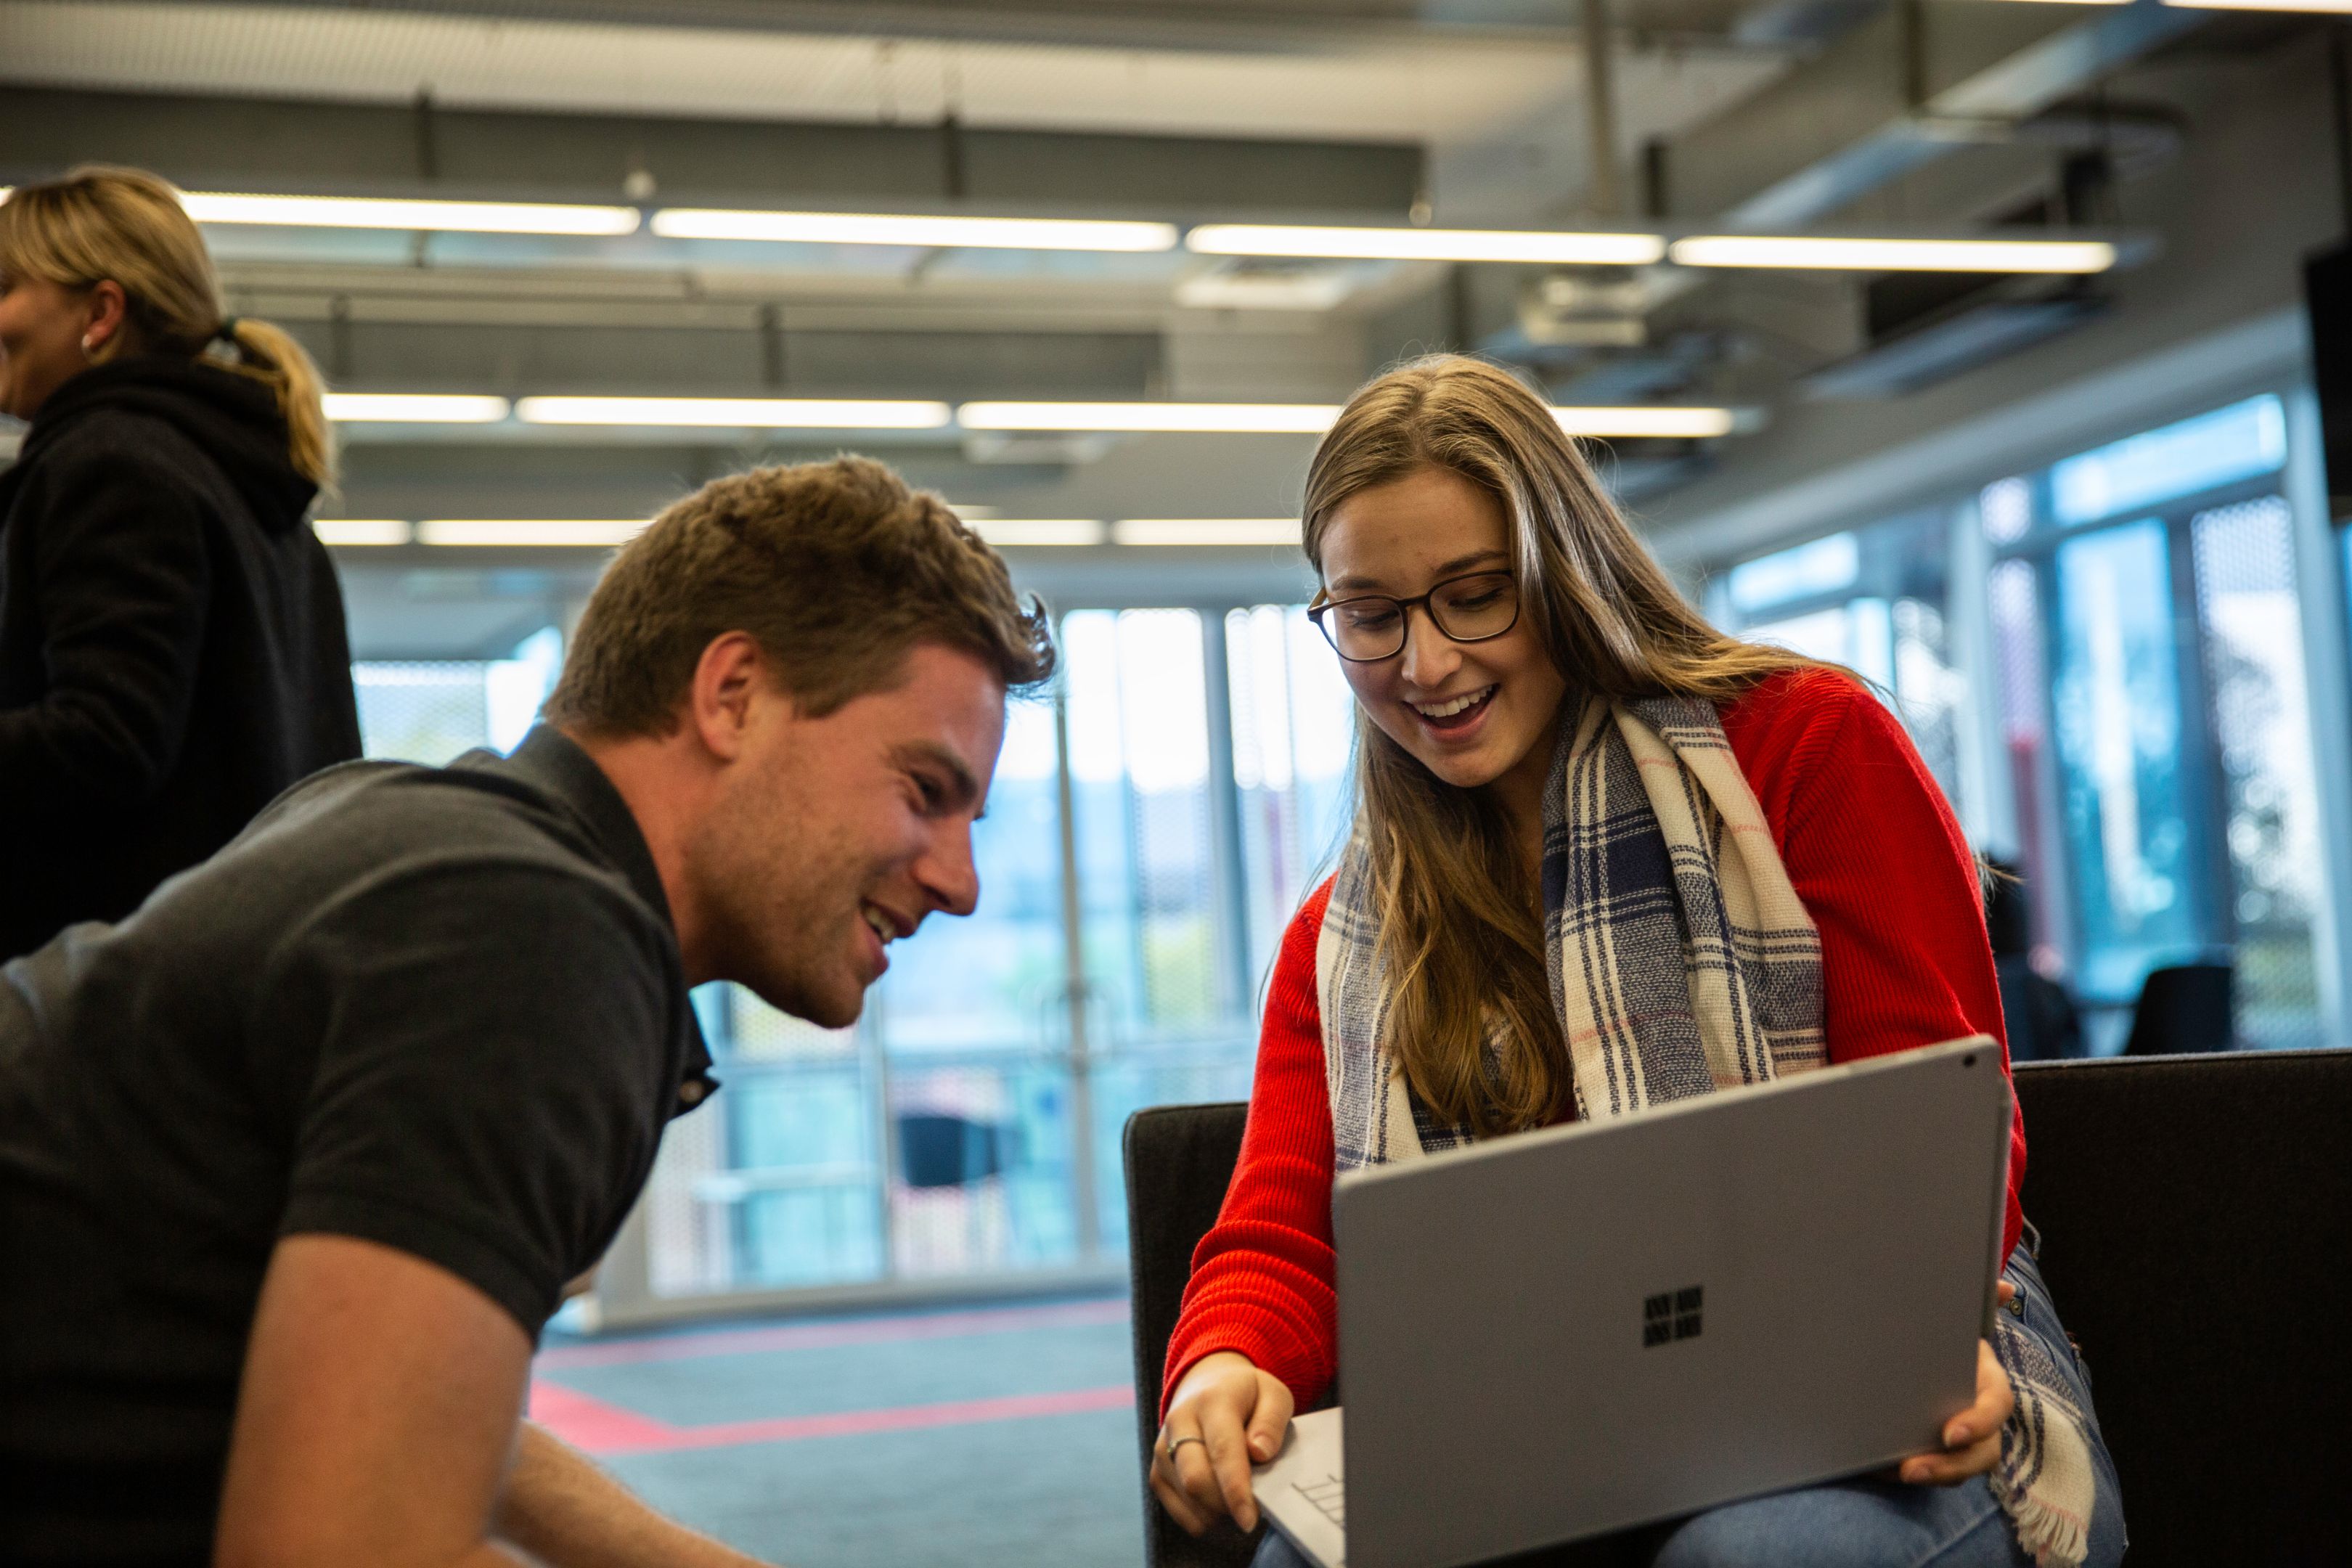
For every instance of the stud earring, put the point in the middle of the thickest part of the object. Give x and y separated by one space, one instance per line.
85 345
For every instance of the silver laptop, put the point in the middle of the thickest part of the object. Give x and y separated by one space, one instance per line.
1597 1326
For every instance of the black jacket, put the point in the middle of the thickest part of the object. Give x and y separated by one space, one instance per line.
173 651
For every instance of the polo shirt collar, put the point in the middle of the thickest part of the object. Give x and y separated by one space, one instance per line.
556 763
553 760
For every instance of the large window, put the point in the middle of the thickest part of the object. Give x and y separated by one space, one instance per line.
2147 633
1874 599
2147 709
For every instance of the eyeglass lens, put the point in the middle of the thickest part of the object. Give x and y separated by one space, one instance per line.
1467 609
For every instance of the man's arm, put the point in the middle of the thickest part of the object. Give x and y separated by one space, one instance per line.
378 1421
377 1415
564 1512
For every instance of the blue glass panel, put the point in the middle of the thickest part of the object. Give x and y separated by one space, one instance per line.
2116 706
1821 566
2213 449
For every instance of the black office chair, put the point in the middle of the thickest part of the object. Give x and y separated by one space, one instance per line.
1179 1160
937 1150
2184 1007
2196 1213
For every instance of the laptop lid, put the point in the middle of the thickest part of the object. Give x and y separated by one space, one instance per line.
1595 1326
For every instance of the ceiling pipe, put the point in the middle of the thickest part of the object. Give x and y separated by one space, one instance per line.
1600 193
1908 85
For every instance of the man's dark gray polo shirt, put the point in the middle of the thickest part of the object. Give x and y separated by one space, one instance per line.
438 1008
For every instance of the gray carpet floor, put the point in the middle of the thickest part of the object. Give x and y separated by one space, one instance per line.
976 1437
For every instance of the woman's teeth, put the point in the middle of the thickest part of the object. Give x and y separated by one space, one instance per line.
882 927
1452 705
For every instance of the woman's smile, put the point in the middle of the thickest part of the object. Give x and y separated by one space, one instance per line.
1455 718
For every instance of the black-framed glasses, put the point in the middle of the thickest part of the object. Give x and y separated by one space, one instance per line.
1371 626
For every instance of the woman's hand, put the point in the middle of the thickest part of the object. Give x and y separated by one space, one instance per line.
1226 1416
1971 1438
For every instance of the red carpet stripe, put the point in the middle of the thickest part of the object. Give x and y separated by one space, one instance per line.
597 1427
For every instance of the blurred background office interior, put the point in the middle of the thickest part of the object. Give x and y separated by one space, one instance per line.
1969 343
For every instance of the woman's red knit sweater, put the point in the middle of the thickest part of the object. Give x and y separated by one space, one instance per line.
1877 857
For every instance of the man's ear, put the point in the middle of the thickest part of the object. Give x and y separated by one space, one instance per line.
732 682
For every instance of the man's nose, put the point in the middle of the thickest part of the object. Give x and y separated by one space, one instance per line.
947 872
1429 656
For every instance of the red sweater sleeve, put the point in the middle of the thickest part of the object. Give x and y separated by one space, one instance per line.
1878 860
1263 1278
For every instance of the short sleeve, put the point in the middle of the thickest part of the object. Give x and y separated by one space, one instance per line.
488 1090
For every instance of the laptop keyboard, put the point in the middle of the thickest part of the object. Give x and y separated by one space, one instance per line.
1330 1497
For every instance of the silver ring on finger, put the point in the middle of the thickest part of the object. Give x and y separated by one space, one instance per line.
1176 1443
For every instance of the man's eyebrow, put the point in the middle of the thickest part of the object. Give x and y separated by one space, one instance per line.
963 788
1356 582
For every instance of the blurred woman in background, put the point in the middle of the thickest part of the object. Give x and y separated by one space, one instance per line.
173 651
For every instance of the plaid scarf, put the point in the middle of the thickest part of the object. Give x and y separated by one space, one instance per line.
1681 961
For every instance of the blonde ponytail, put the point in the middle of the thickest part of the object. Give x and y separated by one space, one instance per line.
99 224
269 354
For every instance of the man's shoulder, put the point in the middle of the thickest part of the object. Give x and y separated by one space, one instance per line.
452 808
359 829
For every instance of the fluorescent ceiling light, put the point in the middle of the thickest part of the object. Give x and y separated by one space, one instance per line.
415 407
941 231
1426 244
1037 529
1206 531
1317 288
375 212
1309 418
737 413
1635 421
354 531
1834 254
590 532
1297 418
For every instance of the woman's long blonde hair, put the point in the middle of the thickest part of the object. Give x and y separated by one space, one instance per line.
1460 915
126 226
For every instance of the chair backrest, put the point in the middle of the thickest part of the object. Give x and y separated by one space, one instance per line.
2196 1216
1180 1159
2184 1007
2196 1219
937 1150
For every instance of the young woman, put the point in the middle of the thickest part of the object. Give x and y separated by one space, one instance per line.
1581 811
172 643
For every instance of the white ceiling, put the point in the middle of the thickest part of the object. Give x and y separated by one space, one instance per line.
1492 108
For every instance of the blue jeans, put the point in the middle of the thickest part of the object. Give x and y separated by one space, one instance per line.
1851 1523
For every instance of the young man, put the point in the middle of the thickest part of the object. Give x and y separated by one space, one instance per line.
296 1160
